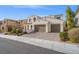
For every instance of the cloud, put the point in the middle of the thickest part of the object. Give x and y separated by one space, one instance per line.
28 6
32 6
46 7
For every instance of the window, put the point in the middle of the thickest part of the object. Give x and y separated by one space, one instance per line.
29 20
58 17
76 20
21 20
2 27
34 19
4 21
28 27
31 26
18 22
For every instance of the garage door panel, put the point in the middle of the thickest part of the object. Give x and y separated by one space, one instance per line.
40 28
55 27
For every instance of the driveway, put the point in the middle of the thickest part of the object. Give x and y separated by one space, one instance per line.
43 35
14 47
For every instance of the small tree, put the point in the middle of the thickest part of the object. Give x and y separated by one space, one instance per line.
13 30
18 31
70 18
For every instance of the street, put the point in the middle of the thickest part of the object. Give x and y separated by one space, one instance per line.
14 47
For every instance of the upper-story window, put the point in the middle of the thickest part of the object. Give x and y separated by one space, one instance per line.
58 17
34 19
2 28
4 21
29 20
18 22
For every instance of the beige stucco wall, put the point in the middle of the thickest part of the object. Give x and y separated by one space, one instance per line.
47 21
77 19
6 23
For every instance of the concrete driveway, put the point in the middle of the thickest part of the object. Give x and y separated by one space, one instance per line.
43 35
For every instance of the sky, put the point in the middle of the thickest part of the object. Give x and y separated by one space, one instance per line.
23 11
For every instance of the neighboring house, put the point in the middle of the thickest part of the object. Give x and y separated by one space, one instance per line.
52 23
77 20
23 24
77 17
0 25
7 25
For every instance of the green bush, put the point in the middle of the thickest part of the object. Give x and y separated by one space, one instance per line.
18 31
8 33
13 30
63 36
74 35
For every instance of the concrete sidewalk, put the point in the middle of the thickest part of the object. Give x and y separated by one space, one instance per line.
53 45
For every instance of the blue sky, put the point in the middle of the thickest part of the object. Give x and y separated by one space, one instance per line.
23 11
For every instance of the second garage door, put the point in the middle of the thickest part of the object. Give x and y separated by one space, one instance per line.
40 28
55 27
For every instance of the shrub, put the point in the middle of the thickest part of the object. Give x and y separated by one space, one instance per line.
18 31
6 33
13 30
74 35
63 36
24 32
19 34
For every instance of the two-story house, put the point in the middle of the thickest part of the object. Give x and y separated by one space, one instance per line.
8 24
51 23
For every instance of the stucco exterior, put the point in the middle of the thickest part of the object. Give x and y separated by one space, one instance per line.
41 23
8 24
77 19
47 21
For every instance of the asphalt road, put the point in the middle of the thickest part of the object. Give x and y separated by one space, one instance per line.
14 47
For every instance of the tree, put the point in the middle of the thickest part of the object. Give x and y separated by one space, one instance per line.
70 18
13 30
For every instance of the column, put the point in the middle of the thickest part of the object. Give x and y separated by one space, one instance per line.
61 27
47 29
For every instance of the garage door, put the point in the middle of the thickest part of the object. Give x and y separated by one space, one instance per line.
55 27
40 28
